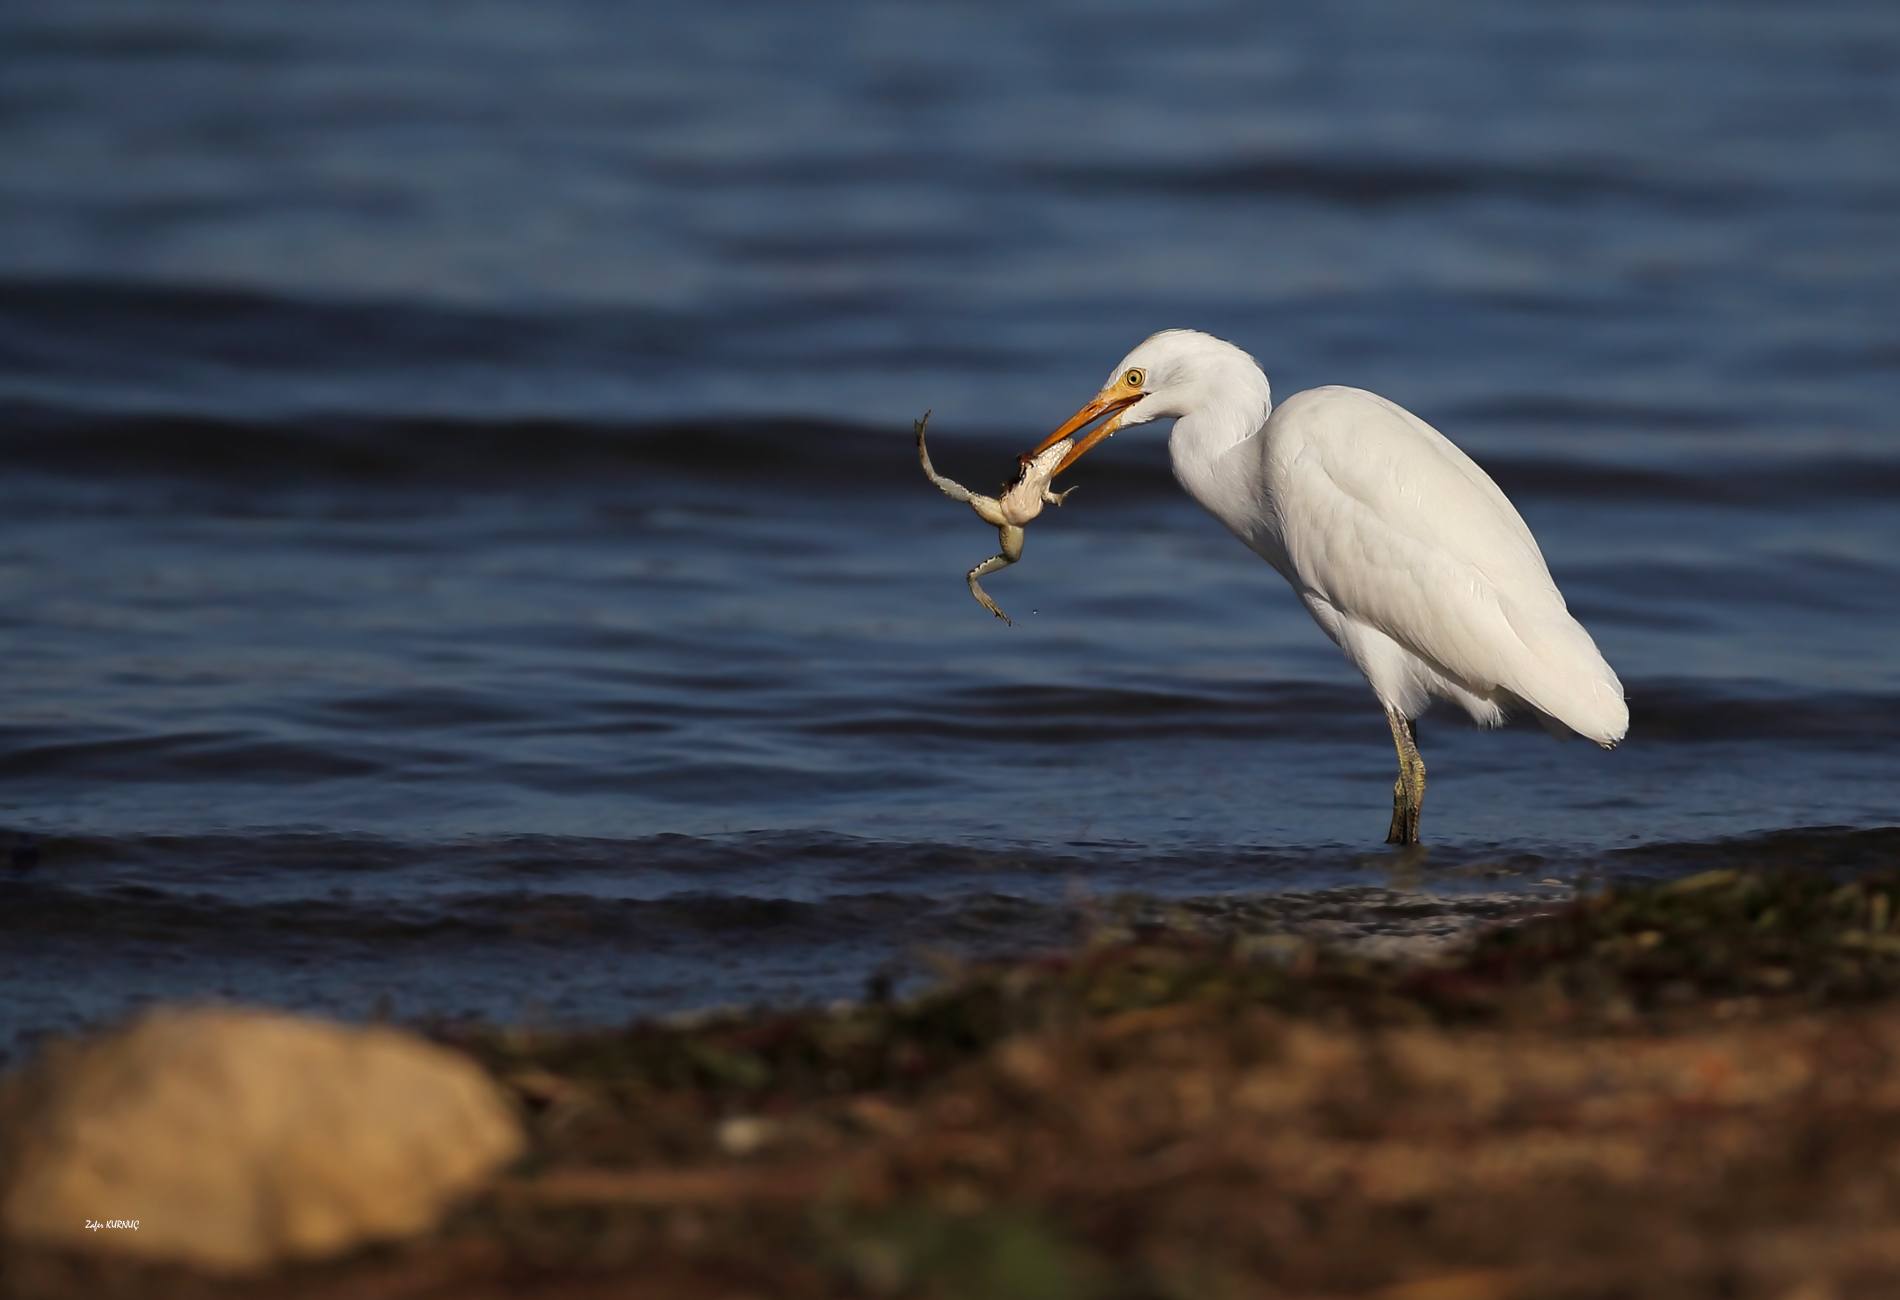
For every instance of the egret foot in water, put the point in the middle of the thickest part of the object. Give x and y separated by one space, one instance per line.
1408 792
1021 502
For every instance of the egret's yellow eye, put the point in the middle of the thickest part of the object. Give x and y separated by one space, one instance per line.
1134 378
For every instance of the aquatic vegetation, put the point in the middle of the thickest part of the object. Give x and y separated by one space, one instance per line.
1775 938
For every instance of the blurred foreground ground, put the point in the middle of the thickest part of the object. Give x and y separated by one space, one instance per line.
1684 1091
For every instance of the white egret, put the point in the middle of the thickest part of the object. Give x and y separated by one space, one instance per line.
1405 553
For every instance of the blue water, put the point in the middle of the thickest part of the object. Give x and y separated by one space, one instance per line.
463 551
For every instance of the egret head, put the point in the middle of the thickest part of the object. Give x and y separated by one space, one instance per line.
1171 374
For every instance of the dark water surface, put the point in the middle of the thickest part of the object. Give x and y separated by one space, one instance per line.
462 550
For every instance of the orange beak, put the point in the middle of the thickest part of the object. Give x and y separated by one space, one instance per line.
1111 401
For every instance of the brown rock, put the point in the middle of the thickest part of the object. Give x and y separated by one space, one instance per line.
235 1138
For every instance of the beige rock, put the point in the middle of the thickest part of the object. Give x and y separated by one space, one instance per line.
234 1138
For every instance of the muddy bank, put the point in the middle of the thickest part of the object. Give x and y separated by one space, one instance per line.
1684 1091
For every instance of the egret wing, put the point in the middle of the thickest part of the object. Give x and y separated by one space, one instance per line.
1391 524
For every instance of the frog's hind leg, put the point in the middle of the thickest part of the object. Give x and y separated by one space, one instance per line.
1012 538
950 487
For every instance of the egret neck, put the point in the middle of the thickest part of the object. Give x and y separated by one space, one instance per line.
1218 448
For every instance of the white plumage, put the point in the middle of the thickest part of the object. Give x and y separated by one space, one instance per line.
1406 553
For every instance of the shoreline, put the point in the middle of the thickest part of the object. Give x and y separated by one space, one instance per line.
1672 1091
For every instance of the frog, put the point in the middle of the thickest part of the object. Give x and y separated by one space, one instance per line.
1019 503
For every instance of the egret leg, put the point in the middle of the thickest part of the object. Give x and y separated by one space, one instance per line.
1408 792
1012 537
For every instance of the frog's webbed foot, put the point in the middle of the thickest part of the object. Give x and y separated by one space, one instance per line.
951 488
1012 538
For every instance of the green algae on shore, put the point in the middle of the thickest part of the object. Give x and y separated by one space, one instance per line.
1774 938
